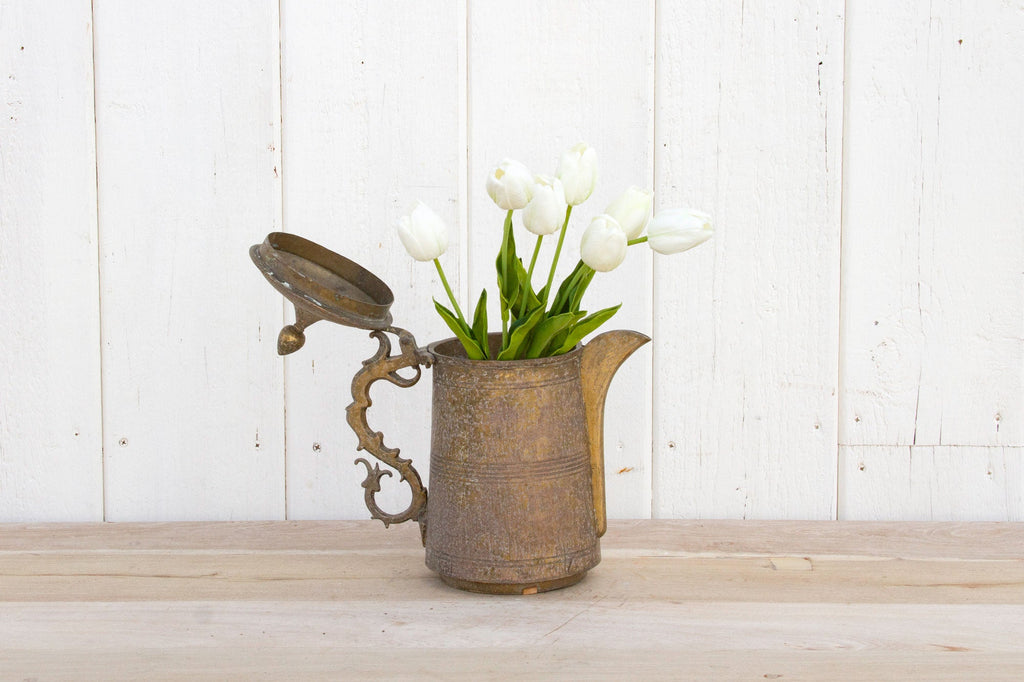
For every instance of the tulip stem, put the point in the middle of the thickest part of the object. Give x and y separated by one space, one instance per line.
506 263
451 296
638 240
558 251
529 273
533 261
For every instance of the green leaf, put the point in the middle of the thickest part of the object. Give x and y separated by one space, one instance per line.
581 287
480 323
543 335
519 333
523 288
505 263
542 294
585 326
568 289
558 305
514 288
559 339
462 332
508 310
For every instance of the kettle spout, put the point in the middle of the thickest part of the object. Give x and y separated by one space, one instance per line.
601 358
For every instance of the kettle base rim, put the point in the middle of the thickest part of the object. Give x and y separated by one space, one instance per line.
527 588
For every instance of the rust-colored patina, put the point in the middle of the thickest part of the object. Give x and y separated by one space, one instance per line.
321 285
513 501
516 500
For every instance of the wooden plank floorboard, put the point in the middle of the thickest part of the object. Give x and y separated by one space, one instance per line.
920 540
670 600
131 576
401 664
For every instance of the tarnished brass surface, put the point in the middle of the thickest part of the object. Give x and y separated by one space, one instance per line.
383 365
534 587
517 502
601 358
322 285
512 485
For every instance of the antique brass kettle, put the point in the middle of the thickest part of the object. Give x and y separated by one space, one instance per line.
517 501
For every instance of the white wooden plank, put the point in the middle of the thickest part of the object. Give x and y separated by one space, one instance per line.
838 663
542 77
749 129
933 241
372 125
466 622
188 111
50 420
375 575
719 599
931 483
857 541
750 600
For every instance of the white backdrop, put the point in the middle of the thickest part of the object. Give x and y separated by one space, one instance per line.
849 345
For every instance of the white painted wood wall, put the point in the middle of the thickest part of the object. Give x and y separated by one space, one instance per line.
850 345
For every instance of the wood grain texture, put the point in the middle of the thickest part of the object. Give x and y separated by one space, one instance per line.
51 463
772 350
542 77
188 125
731 600
931 483
973 541
746 326
370 127
842 663
933 241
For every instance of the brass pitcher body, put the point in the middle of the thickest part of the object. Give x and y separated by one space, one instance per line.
511 504
516 501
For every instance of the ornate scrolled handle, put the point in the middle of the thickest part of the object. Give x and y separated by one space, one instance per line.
384 365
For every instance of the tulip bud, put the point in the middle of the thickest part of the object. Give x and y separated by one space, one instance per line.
577 170
423 233
678 229
546 211
510 185
631 210
604 244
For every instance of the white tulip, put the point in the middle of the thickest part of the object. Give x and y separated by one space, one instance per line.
577 169
423 233
510 185
604 244
678 229
546 211
632 209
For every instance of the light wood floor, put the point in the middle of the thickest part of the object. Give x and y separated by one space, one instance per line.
685 600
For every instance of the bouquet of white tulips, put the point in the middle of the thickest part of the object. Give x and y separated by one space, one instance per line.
535 324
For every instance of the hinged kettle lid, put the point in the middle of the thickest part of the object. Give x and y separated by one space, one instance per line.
322 285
